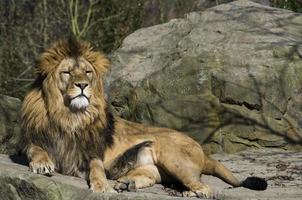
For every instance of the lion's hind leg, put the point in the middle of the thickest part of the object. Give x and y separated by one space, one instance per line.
140 177
198 189
190 176
185 163
145 174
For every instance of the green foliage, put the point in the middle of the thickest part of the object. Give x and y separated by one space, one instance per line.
294 5
28 27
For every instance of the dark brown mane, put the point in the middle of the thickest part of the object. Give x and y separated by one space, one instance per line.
73 47
106 138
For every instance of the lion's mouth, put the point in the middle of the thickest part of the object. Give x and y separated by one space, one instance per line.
80 102
80 95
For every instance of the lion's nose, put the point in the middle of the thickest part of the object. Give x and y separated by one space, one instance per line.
81 85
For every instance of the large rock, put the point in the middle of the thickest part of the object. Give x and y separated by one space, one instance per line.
282 170
229 76
155 12
9 124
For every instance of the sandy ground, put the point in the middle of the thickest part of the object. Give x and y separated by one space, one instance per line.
282 170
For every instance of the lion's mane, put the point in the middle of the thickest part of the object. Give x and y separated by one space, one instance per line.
71 138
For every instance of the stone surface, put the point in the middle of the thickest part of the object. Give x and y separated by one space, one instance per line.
9 124
282 169
230 76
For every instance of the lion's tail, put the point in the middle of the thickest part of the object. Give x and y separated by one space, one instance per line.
217 169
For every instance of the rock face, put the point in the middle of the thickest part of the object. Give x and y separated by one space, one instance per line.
282 170
9 124
155 12
230 76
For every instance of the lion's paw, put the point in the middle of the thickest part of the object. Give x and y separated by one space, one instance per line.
128 185
205 192
42 166
100 187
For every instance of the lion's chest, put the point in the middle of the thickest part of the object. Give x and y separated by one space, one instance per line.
69 153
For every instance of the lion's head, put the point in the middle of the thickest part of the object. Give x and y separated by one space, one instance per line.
68 92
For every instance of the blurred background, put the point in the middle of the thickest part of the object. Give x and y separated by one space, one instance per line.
29 26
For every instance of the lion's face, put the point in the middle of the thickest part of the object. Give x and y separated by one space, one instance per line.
75 81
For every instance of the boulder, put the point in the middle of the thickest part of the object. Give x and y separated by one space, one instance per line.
230 76
282 170
9 124
157 12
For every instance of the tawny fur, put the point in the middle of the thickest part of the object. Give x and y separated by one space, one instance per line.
91 141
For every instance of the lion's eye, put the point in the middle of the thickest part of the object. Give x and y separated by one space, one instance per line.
89 73
66 72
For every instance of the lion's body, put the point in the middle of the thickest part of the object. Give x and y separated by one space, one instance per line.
75 134
128 134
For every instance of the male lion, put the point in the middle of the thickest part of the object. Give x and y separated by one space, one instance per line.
68 128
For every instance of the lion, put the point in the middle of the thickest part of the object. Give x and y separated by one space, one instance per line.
69 128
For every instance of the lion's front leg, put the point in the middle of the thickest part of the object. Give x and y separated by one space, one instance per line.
97 177
40 162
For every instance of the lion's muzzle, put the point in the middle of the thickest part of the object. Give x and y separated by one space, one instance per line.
79 102
80 97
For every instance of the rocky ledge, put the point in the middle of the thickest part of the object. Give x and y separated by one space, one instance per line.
282 170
